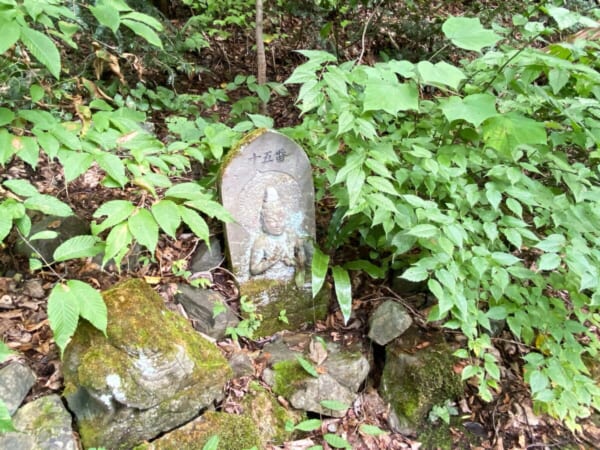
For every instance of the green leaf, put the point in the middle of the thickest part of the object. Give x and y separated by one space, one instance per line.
468 33
78 247
196 223
117 243
27 149
504 133
549 261
343 291
371 269
505 259
48 205
308 367
187 191
144 229
91 305
116 210
473 108
113 166
5 224
320 262
6 116
144 18
336 441
167 215
10 31
5 352
557 79
43 49
390 97
440 74
46 234
143 31
106 15
6 424
538 381
334 405
212 443
415 274
309 425
371 430
261 121
63 314
21 187
553 243
424 230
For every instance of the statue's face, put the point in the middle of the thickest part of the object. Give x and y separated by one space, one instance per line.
273 221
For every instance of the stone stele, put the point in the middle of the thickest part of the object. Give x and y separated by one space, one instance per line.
267 186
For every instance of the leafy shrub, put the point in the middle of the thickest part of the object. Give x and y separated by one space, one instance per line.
490 187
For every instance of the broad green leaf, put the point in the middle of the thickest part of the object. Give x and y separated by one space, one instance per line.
196 223
26 148
382 185
497 313
320 262
117 243
336 441
549 261
6 115
78 247
473 108
211 208
106 15
504 133
5 224
21 187
67 137
505 259
309 425
371 269
212 443
371 430
6 424
424 230
334 405
113 166
187 191
553 243
10 31
46 234
390 97
557 79
415 274
43 49
318 56
538 381
566 18
167 216
307 366
467 33
144 229
63 314
36 92
440 74
143 31
91 305
5 352
345 122
343 291
144 18
48 205
261 121
116 210
354 185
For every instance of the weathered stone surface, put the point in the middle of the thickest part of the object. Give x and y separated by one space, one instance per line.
268 415
152 373
14 440
241 364
199 304
48 422
415 379
389 321
66 227
341 372
16 380
266 184
206 258
235 432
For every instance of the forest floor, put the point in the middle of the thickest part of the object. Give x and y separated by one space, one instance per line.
508 422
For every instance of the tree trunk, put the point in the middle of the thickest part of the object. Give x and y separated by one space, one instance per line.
261 61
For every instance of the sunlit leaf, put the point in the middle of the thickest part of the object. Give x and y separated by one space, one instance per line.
320 263
467 33
343 291
144 229
63 314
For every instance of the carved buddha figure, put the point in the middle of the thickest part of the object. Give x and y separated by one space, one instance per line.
277 252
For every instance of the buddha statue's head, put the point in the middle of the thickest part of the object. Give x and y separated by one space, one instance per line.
272 213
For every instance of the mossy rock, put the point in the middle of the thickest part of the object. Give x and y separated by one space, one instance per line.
235 432
414 381
151 373
269 415
271 297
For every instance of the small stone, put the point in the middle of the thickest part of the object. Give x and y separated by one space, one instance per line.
16 441
206 258
241 365
199 304
314 390
48 422
388 322
16 380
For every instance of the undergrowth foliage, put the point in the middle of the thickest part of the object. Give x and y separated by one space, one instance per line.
483 177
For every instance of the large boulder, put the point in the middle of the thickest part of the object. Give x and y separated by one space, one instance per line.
151 373
16 380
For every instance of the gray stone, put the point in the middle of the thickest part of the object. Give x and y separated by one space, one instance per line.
342 372
389 321
13 440
66 227
206 258
151 373
241 364
266 184
16 380
48 422
199 304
